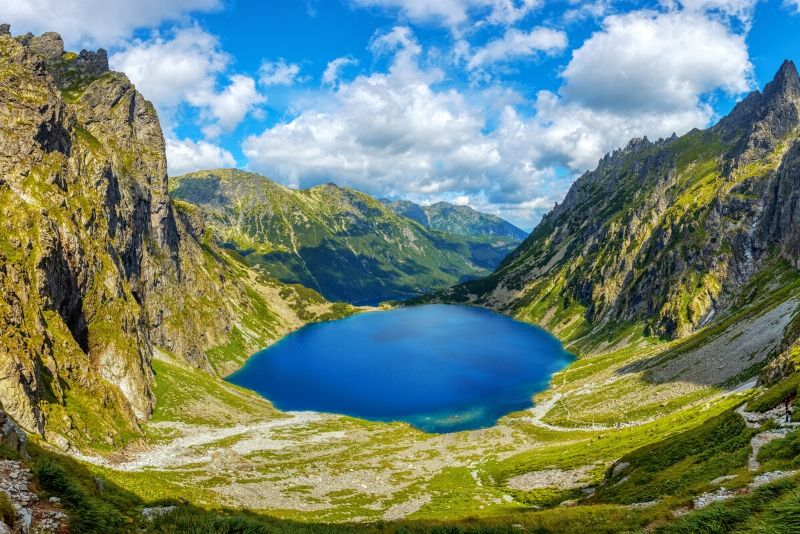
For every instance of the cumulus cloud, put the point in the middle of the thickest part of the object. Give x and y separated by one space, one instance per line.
278 73
645 73
188 67
227 108
659 62
97 22
186 155
397 134
455 14
406 133
334 68
516 43
166 70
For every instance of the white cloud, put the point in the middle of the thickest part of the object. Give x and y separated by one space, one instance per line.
515 43
278 73
397 134
96 22
405 133
185 155
581 10
334 68
793 4
656 62
187 68
742 10
230 106
455 14
167 70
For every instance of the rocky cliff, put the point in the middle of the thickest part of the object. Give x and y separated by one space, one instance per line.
663 233
98 268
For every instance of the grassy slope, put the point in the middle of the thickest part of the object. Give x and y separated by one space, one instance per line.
673 470
461 475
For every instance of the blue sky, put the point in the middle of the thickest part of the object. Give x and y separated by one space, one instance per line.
500 104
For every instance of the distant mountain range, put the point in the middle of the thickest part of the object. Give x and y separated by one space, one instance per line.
457 219
342 242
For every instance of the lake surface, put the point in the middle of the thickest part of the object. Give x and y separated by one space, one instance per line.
441 368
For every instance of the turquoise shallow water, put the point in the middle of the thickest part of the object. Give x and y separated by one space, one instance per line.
441 368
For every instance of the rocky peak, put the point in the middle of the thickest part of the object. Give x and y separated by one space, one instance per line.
763 119
49 45
93 63
785 85
67 69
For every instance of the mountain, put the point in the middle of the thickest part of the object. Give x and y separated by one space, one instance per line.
338 241
664 234
672 271
99 270
458 220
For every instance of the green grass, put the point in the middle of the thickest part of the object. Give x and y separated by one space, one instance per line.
681 465
776 394
770 509
781 454
195 397
8 514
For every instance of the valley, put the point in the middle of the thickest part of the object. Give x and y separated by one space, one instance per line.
340 242
670 272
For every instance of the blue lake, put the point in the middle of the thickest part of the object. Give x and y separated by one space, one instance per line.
441 368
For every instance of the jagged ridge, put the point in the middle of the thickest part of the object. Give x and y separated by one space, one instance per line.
662 233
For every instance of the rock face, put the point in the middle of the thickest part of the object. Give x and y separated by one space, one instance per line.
12 437
663 232
97 266
341 242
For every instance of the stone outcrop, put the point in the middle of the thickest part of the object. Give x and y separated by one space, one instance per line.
12 437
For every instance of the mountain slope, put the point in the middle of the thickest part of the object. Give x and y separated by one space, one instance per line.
98 268
336 240
458 220
664 234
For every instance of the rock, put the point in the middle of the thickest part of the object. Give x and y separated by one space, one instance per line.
93 63
100 484
720 480
49 45
12 436
619 467
5 29
766 478
707 498
156 511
